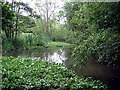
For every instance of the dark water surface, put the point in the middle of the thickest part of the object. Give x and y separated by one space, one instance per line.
109 75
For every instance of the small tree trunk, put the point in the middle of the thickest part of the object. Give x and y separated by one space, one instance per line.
16 25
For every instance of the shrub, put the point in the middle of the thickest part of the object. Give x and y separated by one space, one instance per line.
27 74
8 45
63 35
32 40
101 47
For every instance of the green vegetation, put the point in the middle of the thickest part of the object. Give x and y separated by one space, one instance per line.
97 30
58 44
18 33
31 41
101 47
11 18
91 28
62 34
13 23
26 74
27 41
7 22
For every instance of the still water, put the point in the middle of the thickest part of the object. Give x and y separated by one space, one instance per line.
53 54
109 75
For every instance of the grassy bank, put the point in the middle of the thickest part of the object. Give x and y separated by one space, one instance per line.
27 74
58 44
21 44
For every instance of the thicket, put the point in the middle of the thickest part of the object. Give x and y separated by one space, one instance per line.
24 41
25 32
98 26
13 24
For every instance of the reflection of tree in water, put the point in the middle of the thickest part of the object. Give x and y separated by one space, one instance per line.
57 57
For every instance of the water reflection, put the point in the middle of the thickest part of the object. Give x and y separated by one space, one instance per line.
108 75
55 54
57 57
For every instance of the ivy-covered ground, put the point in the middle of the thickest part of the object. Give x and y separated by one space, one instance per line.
27 74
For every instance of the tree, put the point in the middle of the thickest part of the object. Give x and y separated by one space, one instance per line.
47 12
97 24
10 17
20 7
81 16
26 23
7 18
70 10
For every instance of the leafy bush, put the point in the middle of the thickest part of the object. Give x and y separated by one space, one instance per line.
8 45
31 40
81 16
95 41
18 43
27 74
37 40
100 46
62 34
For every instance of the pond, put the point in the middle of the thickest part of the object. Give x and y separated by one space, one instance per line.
53 54
109 75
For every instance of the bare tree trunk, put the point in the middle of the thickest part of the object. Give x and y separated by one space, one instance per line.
12 4
12 27
16 25
47 12
47 28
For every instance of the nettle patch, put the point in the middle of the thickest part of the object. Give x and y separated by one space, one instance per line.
27 74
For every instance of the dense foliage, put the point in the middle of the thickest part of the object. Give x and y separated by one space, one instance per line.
11 12
27 74
101 47
13 23
7 19
92 29
97 26
81 16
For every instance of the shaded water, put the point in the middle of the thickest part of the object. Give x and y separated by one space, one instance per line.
53 54
110 76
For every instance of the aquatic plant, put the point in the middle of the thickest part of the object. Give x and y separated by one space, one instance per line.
27 74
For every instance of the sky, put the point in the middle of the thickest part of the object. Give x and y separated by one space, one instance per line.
32 2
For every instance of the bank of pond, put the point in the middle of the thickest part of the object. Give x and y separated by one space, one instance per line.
40 65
